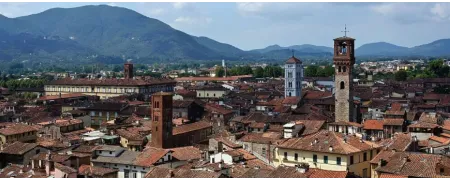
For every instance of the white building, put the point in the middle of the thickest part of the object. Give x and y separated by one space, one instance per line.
293 75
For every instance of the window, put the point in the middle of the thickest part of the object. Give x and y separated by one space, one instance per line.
156 129
285 155
156 118
212 160
365 156
365 173
371 154
351 160
289 74
314 158
338 160
110 152
290 94
441 171
214 94
325 159
143 174
345 69
296 156
100 152
339 69
134 174
207 94
342 85
290 84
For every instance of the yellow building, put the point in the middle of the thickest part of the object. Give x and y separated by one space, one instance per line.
328 150
106 88
17 132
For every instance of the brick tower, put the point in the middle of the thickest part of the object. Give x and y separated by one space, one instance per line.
344 58
128 70
161 120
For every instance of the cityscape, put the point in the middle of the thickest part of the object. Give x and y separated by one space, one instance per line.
104 91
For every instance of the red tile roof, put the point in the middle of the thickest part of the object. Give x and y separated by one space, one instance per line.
293 60
387 175
373 125
191 127
317 94
112 81
323 140
63 96
150 156
393 122
95 171
293 100
186 153
17 129
441 140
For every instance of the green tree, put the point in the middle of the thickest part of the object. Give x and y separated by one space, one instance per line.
311 71
401 75
220 72
259 72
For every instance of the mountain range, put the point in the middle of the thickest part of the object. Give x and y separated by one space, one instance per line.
88 32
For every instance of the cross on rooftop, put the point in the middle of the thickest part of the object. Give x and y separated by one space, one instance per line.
345 31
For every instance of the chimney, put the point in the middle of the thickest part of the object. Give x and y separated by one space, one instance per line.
171 174
21 171
302 168
330 148
316 141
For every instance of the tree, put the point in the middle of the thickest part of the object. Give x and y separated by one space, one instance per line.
401 75
220 71
325 72
311 71
259 72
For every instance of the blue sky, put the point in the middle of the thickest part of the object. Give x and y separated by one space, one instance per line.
257 25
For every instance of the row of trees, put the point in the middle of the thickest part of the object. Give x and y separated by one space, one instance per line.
434 69
22 83
259 72
317 71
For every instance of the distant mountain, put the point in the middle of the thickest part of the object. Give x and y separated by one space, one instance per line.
301 48
436 48
381 48
221 48
112 34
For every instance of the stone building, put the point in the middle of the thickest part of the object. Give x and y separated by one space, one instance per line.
344 59
293 75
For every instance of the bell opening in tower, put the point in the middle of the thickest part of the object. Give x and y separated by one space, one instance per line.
342 48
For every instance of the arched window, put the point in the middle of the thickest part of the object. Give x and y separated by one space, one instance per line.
289 94
339 69
345 69
342 85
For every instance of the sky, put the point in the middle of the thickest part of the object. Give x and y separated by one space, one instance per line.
258 25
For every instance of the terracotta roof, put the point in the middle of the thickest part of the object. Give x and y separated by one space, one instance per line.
267 137
17 147
345 123
293 100
423 125
63 96
186 153
317 94
111 82
409 164
393 122
231 78
21 171
95 171
17 129
373 125
150 156
387 175
441 140
160 172
396 107
385 155
65 169
392 112
293 60
292 172
228 143
182 103
399 142
428 118
323 140
217 109
191 127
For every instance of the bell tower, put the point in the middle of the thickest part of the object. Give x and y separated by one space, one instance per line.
344 59
161 112
128 70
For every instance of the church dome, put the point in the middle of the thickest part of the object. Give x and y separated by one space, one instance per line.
293 60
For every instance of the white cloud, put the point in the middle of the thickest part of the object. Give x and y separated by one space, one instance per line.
441 11
157 11
112 4
407 13
179 5
250 7
193 20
